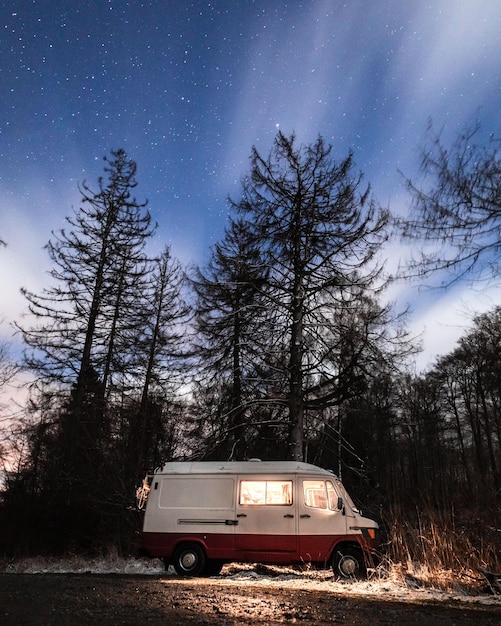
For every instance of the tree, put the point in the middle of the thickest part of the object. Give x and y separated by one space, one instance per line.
84 334
98 266
471 380
8 368
161 358
458 215
227 326
318 232
360 343
8 371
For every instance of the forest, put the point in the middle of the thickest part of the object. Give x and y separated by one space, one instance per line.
284 346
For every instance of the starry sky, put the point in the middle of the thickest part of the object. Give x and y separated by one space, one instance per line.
188 87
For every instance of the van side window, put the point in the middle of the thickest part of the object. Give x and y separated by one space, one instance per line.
320 494
196 492
253 492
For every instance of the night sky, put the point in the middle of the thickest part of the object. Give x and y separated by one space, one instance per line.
187 88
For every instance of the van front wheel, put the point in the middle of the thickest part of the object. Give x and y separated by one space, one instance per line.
189 560
348 562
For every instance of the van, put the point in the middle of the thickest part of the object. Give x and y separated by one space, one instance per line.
200 515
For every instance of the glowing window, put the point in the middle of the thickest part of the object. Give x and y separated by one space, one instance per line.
255 492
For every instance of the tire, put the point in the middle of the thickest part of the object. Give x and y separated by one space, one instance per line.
189 560
349 563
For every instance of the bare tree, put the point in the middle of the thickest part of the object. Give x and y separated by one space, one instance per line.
8 368
471 379
83 332
319 233
8 372
228 325
98 263
162 355
456 216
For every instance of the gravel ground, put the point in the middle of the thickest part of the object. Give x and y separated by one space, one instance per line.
105 599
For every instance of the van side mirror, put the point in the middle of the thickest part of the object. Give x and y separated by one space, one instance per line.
340 505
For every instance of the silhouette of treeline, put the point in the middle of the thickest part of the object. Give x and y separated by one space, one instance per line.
284 346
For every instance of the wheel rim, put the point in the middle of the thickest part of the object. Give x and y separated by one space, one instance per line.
348 566
188 561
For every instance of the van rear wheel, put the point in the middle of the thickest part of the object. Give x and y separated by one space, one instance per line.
348 562
189 560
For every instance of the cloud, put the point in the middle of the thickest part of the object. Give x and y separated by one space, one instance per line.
444 317
22 261
447 61
26 222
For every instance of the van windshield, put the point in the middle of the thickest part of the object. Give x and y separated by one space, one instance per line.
320 494
346 496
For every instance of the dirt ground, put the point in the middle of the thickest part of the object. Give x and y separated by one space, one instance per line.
78 599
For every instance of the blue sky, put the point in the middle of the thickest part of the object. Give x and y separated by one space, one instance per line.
188 87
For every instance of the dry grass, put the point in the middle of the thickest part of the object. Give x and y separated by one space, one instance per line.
435 550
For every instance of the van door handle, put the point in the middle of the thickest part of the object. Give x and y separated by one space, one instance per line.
288 515
241 515
305 516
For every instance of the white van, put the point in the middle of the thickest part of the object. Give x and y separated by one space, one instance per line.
201 515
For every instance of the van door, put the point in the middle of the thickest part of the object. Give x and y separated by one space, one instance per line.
266 518
321 519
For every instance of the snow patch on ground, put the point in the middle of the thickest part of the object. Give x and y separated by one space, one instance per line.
393 585
80 565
